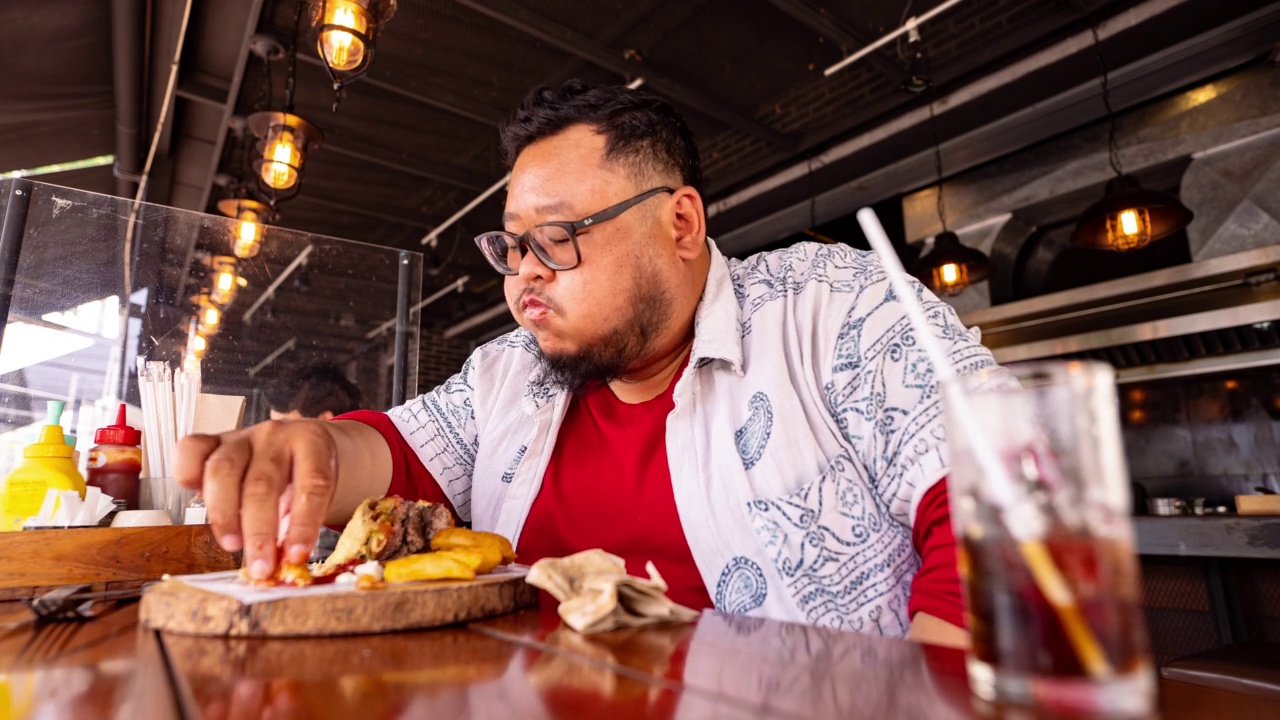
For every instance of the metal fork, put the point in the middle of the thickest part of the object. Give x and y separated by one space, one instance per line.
74 602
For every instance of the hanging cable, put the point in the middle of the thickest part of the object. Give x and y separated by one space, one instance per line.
143 181
1113 147
937 166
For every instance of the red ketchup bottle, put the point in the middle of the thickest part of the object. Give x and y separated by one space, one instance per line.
115 461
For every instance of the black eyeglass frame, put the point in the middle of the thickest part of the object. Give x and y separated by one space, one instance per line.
525 239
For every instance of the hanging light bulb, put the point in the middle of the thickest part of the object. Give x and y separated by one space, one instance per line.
252 215
347 31
285 141
1128 216
281 158
197 340
225 280
248 239
950 266
208 315
341 43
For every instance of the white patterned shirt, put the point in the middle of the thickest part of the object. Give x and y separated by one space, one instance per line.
806 429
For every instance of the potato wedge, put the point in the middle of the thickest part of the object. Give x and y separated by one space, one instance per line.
432 566
462 538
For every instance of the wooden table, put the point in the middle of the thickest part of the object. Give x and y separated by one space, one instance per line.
515 666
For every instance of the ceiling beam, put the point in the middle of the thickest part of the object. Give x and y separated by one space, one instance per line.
418 168
1004 116
479 318
254 11
202 92
547 31
422 223
850 40
434 96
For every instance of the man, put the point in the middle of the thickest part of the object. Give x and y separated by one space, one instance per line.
766 431
319 390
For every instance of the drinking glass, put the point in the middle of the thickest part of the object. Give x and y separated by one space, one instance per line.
1046 542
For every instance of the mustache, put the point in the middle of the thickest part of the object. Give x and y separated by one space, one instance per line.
533 294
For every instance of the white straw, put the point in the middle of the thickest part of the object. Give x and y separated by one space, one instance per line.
999 483
1022 519
166 418
149 430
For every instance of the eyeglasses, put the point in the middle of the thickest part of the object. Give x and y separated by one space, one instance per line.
554 243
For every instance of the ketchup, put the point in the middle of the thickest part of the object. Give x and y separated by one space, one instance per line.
115 461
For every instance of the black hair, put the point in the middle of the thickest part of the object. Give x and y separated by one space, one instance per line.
313 389
642 130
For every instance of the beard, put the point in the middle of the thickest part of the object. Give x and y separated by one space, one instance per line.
621 348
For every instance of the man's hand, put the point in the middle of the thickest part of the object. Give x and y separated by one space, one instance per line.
311 470
243 476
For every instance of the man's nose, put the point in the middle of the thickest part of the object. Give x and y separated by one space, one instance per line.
532 268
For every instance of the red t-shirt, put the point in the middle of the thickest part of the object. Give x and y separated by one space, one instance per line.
608 486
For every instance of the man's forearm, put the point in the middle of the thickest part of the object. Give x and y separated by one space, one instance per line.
926 628
364 468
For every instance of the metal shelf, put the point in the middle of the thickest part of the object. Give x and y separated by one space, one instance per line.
1231 536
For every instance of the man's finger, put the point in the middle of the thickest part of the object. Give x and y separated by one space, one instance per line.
223 471
193 450
264 480
315 474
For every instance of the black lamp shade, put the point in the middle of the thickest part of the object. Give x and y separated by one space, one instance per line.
968 265
917 80
1149 216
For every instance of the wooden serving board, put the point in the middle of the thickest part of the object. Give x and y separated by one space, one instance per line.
174 606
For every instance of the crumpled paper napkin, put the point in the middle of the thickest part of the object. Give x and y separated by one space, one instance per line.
596 594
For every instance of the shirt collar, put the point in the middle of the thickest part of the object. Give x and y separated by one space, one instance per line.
716 325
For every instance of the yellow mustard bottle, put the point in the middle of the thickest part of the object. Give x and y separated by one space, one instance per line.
47 463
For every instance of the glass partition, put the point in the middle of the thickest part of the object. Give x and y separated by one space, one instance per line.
81 314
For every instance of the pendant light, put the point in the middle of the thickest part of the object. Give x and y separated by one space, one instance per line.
197 342
284 138
347 31
918 79
224 282
251 215
949 267
208 315
1128 216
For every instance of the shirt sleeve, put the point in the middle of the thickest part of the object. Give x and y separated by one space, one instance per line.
936 587
410 479
884 392
440 429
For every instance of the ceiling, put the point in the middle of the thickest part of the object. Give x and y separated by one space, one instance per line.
416 139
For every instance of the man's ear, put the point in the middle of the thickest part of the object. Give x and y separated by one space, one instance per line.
689 221
326 415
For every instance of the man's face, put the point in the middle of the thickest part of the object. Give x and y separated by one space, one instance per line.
596 320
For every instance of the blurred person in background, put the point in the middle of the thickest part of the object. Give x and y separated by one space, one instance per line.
320 390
